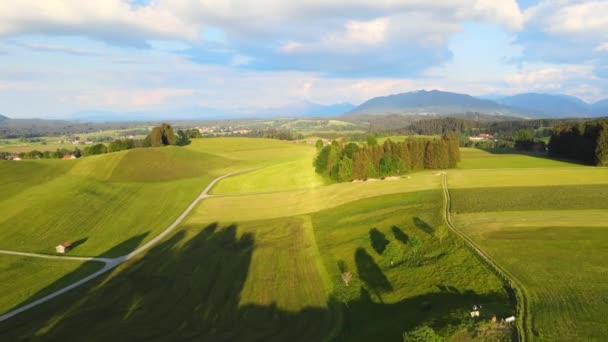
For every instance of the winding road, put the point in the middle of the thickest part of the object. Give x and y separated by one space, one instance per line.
109 263
515 286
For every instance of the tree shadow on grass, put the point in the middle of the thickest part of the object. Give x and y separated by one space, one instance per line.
371 274
422 225
378 240
187 287
400 235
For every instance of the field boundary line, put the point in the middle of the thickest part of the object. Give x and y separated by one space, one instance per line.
517 288
110 263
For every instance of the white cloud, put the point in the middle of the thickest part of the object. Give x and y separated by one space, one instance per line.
579 19
601 47
548 76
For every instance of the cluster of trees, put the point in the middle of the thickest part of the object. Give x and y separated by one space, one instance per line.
35 154
274 133
586 142
347 162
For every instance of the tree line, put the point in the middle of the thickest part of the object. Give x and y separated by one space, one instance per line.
162 135
347 162
586 142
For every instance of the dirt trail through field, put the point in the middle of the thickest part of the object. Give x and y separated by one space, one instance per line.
511 282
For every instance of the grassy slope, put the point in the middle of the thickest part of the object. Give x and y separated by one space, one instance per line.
27 279
473 158
549 230
102 200
267 279
271 280
561 259
288 203
427 287
285 165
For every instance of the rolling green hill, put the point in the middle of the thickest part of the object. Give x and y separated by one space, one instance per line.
260 260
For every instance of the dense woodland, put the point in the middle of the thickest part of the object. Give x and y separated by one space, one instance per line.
585 142
348 162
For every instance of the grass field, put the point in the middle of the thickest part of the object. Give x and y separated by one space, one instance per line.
473 158
27 279
100 201
260 261
547 227
278 279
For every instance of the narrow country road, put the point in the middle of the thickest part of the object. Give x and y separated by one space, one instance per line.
110 263
512 282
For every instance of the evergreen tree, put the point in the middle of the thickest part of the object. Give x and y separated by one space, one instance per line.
601 149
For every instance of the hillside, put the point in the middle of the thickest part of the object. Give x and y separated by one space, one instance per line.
431 102
546 105
2 118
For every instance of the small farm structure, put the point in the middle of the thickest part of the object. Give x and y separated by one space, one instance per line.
63 248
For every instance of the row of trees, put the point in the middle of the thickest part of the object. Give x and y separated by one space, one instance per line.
586 142
350 161
162 135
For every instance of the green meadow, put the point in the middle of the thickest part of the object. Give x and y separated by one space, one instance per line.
26 279
547 227
262 259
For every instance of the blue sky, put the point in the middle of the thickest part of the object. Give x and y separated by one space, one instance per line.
239 56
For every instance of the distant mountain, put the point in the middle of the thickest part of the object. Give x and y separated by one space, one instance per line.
547 105
299 109
305 109
600 108
432 102
2 118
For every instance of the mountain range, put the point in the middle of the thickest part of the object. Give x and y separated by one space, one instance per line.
414 104
529 105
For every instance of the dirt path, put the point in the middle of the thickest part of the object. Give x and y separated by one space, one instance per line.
511 282
110 263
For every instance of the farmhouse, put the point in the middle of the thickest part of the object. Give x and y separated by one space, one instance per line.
13 158
69 156
482 136
62 248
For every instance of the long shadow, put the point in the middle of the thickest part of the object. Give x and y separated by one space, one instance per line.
371 274
422 225
534 154
77 243
186 288
400 235
378 240
82 271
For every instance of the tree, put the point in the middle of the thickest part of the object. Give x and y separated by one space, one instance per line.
156 137
182 138
371 140
345 169
161 136
319 144
422 334
601 150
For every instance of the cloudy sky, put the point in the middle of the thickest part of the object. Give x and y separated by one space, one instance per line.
58 57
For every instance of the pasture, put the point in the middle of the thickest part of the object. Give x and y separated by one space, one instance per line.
260 260
26 279
473 158
547 227
279 279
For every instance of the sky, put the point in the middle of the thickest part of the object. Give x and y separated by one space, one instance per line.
63 57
